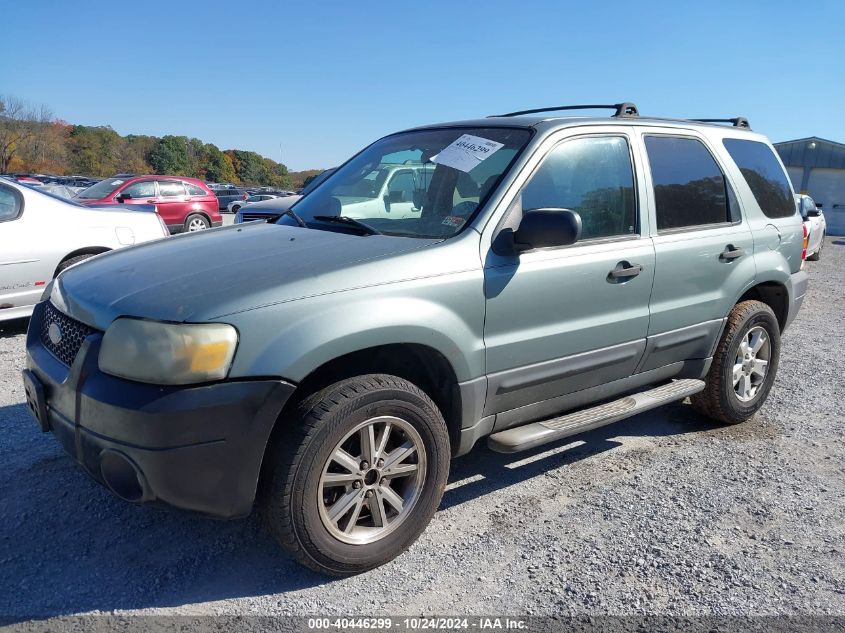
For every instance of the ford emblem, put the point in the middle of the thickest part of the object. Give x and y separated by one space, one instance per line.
54 332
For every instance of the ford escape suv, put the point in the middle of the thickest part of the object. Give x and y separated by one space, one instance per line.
562 273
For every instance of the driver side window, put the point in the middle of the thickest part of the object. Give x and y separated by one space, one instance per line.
592 176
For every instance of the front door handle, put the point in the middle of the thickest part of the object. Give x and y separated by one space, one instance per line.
624 270
731 252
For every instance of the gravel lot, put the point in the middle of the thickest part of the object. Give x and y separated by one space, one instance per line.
663 513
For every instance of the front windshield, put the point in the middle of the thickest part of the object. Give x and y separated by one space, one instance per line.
101 189
426 183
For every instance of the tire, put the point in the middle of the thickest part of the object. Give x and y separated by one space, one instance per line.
297 501
196 222
70 261
722 398
818 254
235 208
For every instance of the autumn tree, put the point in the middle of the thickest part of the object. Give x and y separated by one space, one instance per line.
19 124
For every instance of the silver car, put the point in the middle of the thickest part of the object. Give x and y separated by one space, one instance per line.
42 234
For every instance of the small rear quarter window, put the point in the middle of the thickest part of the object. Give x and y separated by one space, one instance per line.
764 175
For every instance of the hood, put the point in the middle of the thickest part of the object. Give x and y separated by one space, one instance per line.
204 275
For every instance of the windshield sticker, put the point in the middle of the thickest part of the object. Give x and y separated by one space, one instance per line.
116 182
453 220
467 152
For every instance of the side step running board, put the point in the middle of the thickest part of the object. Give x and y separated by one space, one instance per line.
522 438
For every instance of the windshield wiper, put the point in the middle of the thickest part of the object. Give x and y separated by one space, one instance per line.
345 219
295 216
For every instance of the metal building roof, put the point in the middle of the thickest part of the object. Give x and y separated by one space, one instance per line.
812 152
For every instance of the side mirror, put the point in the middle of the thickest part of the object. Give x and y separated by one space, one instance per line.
544 228
123 196
813 213
395 196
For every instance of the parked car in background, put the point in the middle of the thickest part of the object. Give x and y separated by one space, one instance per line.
29 181
815 224
237 204
268 210
229 194
185 204
564 273
42 235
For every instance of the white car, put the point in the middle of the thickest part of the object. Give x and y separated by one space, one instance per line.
815 223
41 235
387 190
234 205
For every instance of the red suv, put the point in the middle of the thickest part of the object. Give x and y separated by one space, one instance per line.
185 204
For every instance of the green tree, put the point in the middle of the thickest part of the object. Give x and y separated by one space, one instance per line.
170 156
216 165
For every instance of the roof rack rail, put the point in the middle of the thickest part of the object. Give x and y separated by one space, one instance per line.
739 121
623 110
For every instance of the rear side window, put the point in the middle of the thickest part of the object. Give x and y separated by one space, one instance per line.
764 175
593 176
689 187
194 190
170 189
10 204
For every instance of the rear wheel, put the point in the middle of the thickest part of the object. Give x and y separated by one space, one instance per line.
196 222
358 476
235 208
744 365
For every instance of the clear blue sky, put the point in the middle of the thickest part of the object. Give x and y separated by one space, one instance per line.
325 78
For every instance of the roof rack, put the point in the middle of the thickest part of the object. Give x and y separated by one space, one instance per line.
623 110
739 121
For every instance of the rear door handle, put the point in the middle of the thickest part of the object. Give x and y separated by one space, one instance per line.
731 252
624 270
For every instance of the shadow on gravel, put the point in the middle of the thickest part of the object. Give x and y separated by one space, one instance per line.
68 546
839 242
498 470
13 327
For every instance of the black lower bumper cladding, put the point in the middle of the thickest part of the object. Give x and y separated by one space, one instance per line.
196 448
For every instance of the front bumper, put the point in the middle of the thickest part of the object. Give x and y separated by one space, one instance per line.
196 448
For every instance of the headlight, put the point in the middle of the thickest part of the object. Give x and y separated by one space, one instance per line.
167 353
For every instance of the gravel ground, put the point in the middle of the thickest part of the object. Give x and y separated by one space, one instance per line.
663 513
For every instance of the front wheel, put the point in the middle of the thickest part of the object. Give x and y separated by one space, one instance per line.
744 365
356 475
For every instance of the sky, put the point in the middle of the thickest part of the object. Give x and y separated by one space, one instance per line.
311 83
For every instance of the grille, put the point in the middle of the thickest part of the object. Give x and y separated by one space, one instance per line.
73 333
249 217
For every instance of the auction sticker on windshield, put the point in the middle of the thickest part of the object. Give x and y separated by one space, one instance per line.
467 152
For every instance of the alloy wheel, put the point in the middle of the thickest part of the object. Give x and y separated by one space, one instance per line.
751 363
372 480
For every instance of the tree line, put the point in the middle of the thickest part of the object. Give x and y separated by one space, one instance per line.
32 140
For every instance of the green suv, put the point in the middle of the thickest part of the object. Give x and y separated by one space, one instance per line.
560 273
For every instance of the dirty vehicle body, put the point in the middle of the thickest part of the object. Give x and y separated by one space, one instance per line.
563 273
43 234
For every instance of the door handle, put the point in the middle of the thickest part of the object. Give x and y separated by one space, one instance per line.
151 201
731 252
624 270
